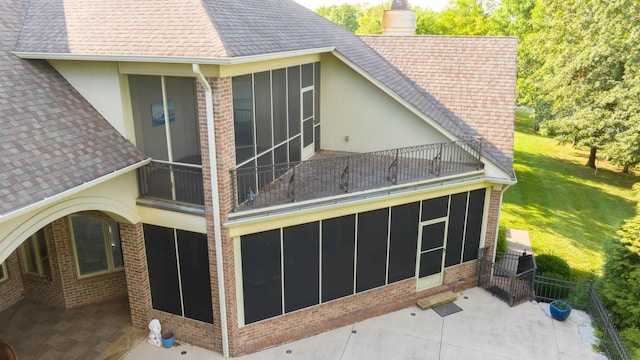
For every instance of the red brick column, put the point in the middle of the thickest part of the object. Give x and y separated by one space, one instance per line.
493 219
225 159
137 275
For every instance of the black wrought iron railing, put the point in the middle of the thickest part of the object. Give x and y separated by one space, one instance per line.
318 178
171 181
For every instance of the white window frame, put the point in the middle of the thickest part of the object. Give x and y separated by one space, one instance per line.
106 241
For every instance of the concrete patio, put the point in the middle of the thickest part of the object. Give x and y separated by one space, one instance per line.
486 329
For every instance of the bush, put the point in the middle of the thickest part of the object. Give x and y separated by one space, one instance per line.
501 245
550 264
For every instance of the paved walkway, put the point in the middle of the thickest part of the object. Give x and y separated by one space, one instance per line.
486 329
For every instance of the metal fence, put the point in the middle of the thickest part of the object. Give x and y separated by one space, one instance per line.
175 182
511 278
278 184
583 296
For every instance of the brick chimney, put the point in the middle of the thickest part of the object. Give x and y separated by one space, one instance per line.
399 20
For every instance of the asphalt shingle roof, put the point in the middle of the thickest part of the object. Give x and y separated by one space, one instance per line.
218 29
474 76
51 138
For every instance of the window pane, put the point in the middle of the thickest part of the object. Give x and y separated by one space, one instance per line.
301 266
307 104
316 92
265 170
433 236
261 275
160 247
431 263
185 138
474 224
338 246
307 75
30 255
308 132
195 276
372 249
243 117
293 91
150 136
116 246
89 240
280 154
435 208
404 241
457 216
262 93
294 149
317 138
279 93
2 273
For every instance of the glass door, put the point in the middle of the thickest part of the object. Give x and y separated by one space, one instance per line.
307 122
432 238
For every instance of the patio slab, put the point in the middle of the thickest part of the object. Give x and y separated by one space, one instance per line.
487 328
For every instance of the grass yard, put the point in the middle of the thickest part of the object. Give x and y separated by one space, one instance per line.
570 210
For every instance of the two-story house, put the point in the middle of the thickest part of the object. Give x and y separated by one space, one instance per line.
245 171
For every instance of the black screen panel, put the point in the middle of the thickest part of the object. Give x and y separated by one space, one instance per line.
430 263
163 268
433 236
338 247
261 275
279 93
195 276
293 91
474 224
262 95
403 243
301 250
457 217
435 208
371 260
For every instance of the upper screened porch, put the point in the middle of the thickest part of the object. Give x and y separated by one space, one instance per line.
284 152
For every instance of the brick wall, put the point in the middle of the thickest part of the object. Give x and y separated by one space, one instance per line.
65 289
11 289
492 222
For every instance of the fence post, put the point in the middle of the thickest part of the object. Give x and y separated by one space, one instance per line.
512 280
590 294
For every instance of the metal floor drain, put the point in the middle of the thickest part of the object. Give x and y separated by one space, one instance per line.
447 309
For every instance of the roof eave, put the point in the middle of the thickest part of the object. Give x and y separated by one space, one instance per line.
171 59
72 191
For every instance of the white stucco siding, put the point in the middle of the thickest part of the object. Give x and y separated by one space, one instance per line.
99 83
351 106
115 197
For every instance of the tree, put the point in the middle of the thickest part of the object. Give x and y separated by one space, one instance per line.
463 17
370 19
586 56
345 15
622 281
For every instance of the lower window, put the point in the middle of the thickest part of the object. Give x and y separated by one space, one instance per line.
4 275
96 245
179 276
36 255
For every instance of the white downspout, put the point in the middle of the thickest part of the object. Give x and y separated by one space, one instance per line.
217 224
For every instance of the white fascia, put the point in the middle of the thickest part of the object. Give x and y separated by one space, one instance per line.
172 59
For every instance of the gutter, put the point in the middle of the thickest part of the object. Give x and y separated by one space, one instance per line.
72 191
195 60
217 223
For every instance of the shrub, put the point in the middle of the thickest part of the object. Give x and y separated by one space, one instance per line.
550 264
501 244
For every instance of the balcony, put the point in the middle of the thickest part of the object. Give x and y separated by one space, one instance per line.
174 183
331 174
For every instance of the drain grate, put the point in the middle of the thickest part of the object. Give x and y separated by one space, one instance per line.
447 309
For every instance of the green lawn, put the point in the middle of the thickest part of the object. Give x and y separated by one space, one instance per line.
570 210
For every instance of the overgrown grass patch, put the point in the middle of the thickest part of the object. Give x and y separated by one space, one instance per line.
570 210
